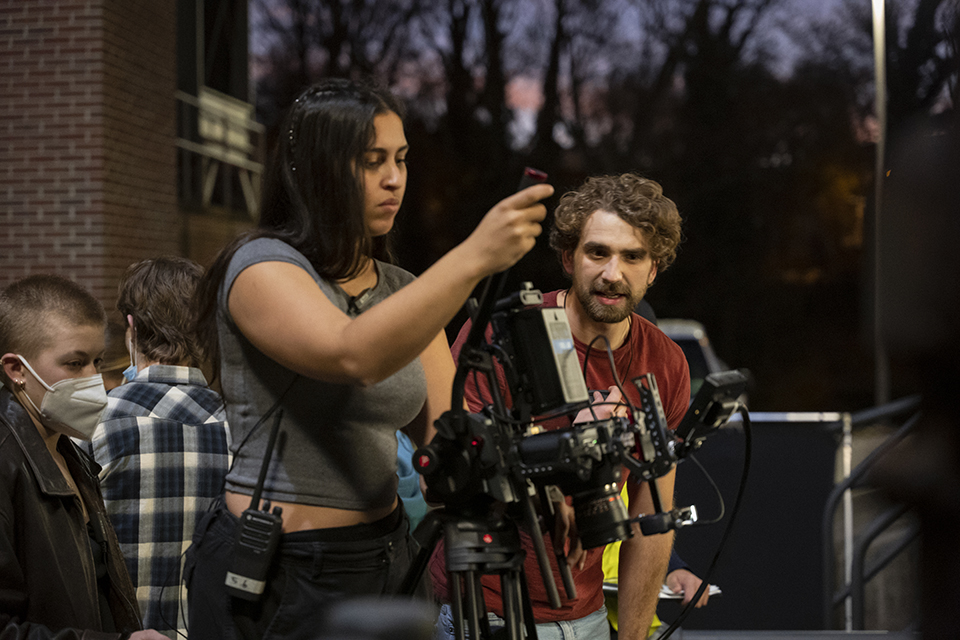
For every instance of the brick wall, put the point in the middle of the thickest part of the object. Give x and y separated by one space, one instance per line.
87 173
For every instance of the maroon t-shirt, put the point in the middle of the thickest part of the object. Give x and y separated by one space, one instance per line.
646 350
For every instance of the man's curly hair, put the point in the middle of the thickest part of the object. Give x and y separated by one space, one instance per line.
639 201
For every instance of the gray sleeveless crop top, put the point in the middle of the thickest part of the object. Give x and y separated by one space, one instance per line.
338 446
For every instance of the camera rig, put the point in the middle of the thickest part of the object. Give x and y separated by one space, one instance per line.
479 463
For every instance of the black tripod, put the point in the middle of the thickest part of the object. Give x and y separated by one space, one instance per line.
481 540
477 485
484 543
470 478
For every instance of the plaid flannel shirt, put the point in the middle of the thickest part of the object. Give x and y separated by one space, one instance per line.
163 443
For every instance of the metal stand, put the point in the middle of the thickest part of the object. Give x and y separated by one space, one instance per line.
477 542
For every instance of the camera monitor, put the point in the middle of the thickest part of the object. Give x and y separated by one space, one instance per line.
713 405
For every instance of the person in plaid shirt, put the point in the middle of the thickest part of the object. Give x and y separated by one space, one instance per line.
163 439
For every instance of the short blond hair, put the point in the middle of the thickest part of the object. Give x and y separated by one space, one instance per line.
27 306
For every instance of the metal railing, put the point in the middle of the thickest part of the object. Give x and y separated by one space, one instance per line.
220 148
857 573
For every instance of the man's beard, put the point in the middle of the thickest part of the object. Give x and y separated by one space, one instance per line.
608 313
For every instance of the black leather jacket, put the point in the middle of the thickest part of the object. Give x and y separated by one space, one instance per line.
48 583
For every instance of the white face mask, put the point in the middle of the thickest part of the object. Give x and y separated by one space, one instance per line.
72 406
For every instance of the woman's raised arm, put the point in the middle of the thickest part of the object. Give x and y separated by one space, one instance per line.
281 310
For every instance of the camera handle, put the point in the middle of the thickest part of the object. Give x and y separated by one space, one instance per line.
550 521
492 290
540 548
665 521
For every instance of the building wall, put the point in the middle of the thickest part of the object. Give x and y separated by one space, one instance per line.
87 132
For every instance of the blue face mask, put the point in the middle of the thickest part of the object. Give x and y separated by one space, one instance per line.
131 372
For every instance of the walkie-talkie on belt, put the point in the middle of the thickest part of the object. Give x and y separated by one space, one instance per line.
257 537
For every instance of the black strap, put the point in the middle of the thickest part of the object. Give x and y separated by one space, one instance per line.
263 418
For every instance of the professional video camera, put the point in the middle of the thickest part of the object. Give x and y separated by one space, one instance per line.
487 467
475 454
505 454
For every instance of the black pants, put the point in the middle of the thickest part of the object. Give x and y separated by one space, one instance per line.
312 570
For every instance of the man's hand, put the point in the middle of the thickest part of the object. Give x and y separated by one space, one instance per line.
685 582
612 406
565 535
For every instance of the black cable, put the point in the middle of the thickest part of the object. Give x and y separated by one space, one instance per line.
223 486
476 385
254 502
613 371
253 429
492 289
747 452
504 361
723 509
166 582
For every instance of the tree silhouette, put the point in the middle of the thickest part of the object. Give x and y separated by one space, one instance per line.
769 166
301 41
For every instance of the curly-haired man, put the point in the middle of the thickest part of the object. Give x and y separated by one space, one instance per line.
613 236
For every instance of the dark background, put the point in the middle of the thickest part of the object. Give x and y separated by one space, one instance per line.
771 569
756 116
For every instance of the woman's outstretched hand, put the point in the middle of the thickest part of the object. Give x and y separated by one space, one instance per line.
508 231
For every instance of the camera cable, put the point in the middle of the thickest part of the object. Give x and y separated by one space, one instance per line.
716 489
747 451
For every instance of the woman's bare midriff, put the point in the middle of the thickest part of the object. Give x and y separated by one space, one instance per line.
303 517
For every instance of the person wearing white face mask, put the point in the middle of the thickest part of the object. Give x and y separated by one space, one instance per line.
61 571
71 406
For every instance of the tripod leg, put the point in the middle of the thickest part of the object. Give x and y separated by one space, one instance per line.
540 548
428 534
473 606
456 605
507 596
482 608
550 518
528 620
512 605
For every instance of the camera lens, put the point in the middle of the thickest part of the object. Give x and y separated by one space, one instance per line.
601 516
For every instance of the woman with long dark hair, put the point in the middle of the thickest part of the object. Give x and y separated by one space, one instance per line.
310 319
